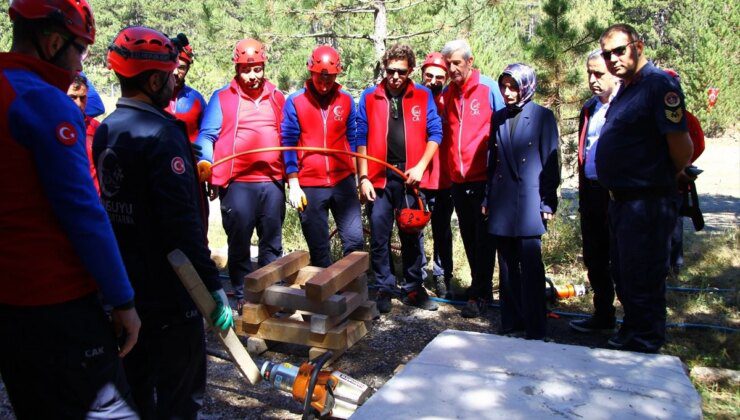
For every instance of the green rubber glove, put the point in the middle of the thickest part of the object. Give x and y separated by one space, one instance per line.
221 316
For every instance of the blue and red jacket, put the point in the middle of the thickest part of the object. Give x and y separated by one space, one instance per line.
187 105
218 137
305 123
57 244
467 115
421 124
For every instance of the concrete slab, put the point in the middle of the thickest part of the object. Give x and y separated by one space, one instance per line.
467 375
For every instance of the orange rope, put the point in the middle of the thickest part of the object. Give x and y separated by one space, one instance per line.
323 151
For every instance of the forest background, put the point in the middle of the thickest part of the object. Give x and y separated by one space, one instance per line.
697 38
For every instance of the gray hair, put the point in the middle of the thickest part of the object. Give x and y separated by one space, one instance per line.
457 45
594 55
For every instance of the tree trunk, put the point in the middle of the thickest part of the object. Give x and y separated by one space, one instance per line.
379 34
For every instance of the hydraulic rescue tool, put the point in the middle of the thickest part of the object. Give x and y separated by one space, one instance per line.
322 393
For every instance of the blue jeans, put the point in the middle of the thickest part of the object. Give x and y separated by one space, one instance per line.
342 201
382 218
244 207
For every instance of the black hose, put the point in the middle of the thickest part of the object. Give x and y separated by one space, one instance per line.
317 363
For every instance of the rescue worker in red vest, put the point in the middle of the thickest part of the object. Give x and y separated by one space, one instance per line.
323 115
187 104
437 187
149 186
244 115
469 103
59 357
397 122
593 198
77 92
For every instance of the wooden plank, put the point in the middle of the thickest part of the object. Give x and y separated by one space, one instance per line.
296 332
358 285
206 305
257 345
288 297
337 276
283 267
356 330
254 313
321 324
303 275
315 352
365 312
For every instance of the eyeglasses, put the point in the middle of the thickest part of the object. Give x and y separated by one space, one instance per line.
434 77
255 69
401 72
619 51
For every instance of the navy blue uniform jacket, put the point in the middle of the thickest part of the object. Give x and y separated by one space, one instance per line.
523 172
149 187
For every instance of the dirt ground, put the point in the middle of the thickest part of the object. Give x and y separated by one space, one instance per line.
398 337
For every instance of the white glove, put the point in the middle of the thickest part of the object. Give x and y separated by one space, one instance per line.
296 197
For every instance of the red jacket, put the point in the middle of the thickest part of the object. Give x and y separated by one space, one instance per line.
91 125
305 123
439 174
421 124
468 112
217 137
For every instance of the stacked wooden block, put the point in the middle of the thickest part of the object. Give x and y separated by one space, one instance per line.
322 308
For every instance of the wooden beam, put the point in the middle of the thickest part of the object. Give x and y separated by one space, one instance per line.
366 312
283 267
338 275
296 332
254 313
321 324
358 285
288 297
303 275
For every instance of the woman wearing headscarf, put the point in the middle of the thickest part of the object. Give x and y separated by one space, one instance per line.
523 176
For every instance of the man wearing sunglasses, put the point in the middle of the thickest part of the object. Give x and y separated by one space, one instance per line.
437 188
59 356
643 149
470 101
397 122
244 115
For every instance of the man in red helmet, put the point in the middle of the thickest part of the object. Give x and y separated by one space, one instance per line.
245 115
78 92
59 356
437 188
187 104
149 186
323 115
397 122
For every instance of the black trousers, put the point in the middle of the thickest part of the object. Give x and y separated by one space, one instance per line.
479 246
522 285
593 204
61 361
640 251
167 368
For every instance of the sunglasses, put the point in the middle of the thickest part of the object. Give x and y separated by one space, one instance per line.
619 51
431 76
401 72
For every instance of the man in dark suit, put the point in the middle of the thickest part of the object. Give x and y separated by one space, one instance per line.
593 198
523 176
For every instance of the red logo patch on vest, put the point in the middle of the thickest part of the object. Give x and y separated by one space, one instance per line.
178 165
66 134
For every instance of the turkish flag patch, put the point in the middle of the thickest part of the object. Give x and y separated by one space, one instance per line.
178 165
66 134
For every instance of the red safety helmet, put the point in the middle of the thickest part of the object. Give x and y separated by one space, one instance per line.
435 59
137 49
187 54
75 15
673 74
249 51
324 59
413 220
